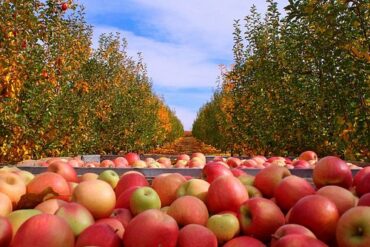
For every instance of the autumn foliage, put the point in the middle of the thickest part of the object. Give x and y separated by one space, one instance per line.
300 82
58 96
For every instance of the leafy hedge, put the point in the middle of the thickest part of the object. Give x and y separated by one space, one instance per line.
299 82
58 96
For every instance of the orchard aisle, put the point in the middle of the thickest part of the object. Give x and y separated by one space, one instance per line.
186 144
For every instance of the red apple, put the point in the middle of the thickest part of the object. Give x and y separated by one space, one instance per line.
183 157
101 235
6 206
115 224
131 158
244 241
363 185
107 163
166 162
298 240
308 155
302 164
290 190
309 212
123 200
224 225
53 180
166 185
194 235
123 215
188 210
269 178
233 162
360 174
130 179
260 217
353 228
158 228
342 198
64 6
364 200
18 217
13 186
199 155
44 230
120 162
331 170
6 232
139 164
237 172
290 229
196 162
249 163
226 193
211 171
50 206
65 170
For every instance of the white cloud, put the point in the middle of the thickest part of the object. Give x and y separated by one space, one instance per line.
187 116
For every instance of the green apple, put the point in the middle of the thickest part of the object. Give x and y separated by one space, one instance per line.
76 215
224 225
194 187
109 176
246 179
144 198
25 175
18 217
253 191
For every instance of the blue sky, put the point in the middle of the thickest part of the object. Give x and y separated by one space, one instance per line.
183 42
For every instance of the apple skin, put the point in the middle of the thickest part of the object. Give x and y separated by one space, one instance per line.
109 176
18 217
308 155
77 217
237 172
188 210
260 217
253 191
124 215
360 174
331 170
233 162
269 178
302 164
364 200
298 240
183 157
63 169
158 228
139 164
88 193
166 185
6 206
115 224
244 241
213 170
341 197
101 235
144 198
363 185
44 230
353 229
50 206
194 235
196 162
309 212
53 180
130 179
199 155
194 187
25 175
6 232
13 186
226 193
224 225
166 162
290 229
120 162
290 190
107 164
88 176
247 179
131 157
123 201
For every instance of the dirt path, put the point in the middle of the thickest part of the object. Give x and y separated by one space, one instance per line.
186 144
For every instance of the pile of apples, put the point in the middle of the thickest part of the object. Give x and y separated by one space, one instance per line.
226 206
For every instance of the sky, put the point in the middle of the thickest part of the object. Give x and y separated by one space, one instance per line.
183 42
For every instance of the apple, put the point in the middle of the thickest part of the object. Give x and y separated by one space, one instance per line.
253 191
123 200
109 176
219 158
363 185
237 172
6 232
101 235
149 160
130 179
25 175
211 171
268 179
18 217
155 164
124 215
53 180
63 169
199 155
360 174
97 196
115 224
144 198
131 157
246 179
120 162
139 164
259 159
363 201
166 162
76 215
12 185
188 210
290 190
226 193
302 164
308 155
298 240
342 198
158 228
50 206
244 241
331 170
183 157
290 229
64 6
6 206
309 212
194 235
194 187
44 230
196 162
233 162
260 217
250 163
88 176
353 228
224 225
166 185
181 164
107 163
